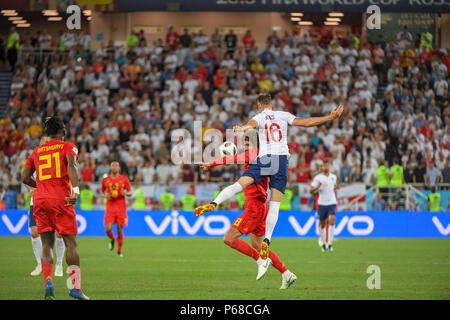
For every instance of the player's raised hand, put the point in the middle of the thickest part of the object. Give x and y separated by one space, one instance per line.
72 199
337 111
204 165
237 128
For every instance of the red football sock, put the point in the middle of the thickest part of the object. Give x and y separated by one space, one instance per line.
245 248
75 276
47 270
276 262
119 241
111 235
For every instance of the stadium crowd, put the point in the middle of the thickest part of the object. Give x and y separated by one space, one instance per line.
123 102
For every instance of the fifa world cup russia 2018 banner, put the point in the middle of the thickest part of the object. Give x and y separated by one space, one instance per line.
291 224
287 5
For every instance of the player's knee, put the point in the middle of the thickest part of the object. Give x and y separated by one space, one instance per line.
227 240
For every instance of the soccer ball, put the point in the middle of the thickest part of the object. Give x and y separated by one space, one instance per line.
227 149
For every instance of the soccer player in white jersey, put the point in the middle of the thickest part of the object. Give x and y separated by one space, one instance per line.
272 159
326 184
36 242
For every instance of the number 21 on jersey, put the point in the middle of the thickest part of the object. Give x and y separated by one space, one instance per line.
48 164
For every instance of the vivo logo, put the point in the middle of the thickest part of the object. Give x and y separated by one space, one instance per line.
366 229
440 227
14 229
177 221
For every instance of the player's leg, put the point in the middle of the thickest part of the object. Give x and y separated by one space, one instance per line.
110 233
225 195
331 218
119 239
73 261
271 220
60 248
278 181
36 243
48 241
232 240
323 217
287 277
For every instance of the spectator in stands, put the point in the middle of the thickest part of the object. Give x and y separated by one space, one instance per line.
420 172
379 203
10 198
433 175
346 173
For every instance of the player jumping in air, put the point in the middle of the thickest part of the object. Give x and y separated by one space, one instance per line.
326 184
36 242
253 220
113 189
55 163
272 160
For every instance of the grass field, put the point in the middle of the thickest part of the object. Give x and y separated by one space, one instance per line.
204 268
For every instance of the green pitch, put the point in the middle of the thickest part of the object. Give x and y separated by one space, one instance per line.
204 268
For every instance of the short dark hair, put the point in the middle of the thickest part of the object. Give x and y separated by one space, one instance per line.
53 126
264 99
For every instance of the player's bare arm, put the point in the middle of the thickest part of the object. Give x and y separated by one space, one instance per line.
315 189
72 168
315 121
27 178
252 124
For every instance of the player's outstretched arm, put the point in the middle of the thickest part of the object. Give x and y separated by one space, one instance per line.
315 121
252 124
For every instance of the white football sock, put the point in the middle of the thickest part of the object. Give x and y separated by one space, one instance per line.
36 243
323 235
330 234
272 217
60 247
228 192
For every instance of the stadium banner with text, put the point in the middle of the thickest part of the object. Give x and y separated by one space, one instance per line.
286 5
291 224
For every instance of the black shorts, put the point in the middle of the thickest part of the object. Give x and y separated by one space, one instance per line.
325 211
31 221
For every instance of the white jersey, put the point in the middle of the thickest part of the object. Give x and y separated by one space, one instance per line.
272 131
327 195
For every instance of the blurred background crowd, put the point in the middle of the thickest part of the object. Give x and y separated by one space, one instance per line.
124 102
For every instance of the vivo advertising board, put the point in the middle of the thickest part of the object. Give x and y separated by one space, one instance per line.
291 224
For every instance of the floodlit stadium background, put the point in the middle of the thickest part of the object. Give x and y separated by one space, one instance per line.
136 71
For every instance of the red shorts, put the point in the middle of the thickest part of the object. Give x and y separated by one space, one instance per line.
116 217
53 215
253 219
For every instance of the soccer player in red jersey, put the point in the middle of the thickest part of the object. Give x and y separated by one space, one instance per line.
55 163
113 189
253 220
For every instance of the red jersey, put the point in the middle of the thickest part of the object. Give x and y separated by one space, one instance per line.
50 162
114 187
252 191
